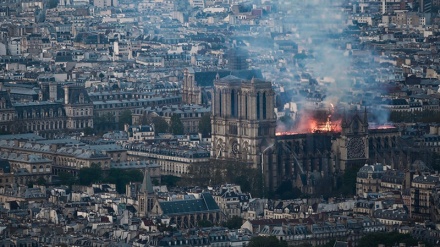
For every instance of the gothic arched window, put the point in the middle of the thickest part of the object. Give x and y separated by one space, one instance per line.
233 103
220 103
264 105
246 106
258 105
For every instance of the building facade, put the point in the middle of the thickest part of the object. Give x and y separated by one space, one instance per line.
243 119
59 109
421 193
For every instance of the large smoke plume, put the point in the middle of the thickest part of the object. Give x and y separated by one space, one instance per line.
333 71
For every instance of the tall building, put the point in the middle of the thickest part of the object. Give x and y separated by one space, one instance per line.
352 146
389 6
421 193
145 196
237 59
191 92
243 119
78 106
425 6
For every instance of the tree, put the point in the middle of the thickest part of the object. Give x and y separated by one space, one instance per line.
347 186
271 241
205 125
234 223
176 125
216 172
387 239
30 184
145 119
125 118
88 131
51 4
41 181
169 180
329 244
204 223
66 178
122 177
101 76
89 175
286 191
160 125
105 122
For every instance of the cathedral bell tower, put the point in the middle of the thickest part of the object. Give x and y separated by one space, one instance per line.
190 91
243 119
353 143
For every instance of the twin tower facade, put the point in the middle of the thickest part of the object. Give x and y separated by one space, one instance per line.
243 126
243 119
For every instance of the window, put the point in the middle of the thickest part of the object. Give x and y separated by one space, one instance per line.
258 105
233 130
220 104
264 105
233 103
246 107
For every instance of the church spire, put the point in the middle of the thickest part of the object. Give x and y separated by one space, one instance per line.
145 195
147 185
344 119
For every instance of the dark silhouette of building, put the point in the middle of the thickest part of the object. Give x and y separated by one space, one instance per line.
237 59
197 86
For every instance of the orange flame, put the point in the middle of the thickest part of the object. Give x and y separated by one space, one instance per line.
309 124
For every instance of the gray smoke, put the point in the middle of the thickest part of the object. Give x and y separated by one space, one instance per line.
332 65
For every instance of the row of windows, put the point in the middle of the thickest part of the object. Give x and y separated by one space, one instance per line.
134 104
236 101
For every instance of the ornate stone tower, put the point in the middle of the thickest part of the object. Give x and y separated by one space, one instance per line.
79 107
353 143
145 196
243 119
190 91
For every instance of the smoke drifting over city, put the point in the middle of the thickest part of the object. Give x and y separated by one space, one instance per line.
327 74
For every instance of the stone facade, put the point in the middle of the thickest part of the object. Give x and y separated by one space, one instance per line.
243 119
172 160
70 110
421 196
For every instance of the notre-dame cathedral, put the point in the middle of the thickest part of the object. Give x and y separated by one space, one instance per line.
243 119
243 129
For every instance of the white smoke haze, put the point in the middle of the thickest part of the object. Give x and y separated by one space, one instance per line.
341 78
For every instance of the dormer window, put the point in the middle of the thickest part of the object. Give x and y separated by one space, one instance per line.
81 98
